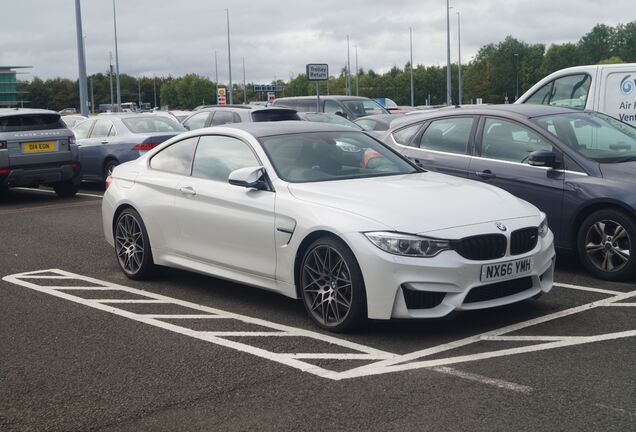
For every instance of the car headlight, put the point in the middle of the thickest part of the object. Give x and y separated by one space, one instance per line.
543 227
407 245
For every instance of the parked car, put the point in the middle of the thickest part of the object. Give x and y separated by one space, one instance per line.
68 111
225 114
328 118
350 107
578 167
606 88
377 122
36 148
288 207
72 120
109 139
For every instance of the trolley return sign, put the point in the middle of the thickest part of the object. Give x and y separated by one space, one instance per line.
317 72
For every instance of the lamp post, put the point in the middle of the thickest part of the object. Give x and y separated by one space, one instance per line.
216 78
449 98
229 57
357 74
81 60
244 85
411 66
117 84
516 57
348 75
459 62
110 70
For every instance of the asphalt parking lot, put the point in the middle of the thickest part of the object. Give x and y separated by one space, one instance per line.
84 348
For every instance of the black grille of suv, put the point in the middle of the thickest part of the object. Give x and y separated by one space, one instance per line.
523 240
481 247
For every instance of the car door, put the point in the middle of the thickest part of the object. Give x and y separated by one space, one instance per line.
503 148
444 145
92 149
222 224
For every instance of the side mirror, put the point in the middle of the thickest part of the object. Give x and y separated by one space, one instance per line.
186 126
341 114
250 177
542 158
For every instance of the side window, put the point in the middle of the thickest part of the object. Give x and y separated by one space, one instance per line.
331 107
222 117
404 135
81 130
176 158
509 141
101 129
197 121
569 91
217 156
570 165
447 135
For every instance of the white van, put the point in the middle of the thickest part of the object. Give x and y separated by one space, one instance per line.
610 89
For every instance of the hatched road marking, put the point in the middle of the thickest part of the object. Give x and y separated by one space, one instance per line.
381 361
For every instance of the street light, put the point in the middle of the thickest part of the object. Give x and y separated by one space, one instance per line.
229 56
117 84
411 67
81 60
348 75
448 59
516 57
459 62
357 74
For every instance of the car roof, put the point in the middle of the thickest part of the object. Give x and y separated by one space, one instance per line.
13 111
523 110
330 97
263 129
241 108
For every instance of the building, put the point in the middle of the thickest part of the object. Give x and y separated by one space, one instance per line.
9 95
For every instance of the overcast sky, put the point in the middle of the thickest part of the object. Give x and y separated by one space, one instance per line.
278 37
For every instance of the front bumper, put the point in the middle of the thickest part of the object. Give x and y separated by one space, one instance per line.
449 278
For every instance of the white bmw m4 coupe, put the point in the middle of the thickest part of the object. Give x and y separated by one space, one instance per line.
328 215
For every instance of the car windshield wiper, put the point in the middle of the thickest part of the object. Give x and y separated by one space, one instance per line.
624 159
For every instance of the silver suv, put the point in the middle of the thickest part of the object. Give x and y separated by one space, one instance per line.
36 148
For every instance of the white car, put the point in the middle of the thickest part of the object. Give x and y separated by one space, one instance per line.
329 215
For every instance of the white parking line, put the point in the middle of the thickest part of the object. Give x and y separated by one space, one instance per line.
382 361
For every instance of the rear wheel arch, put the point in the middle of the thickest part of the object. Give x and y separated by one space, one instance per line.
583 213
107 161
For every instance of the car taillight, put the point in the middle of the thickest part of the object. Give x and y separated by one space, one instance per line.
145 146
75 165
108 181
71 140
4 171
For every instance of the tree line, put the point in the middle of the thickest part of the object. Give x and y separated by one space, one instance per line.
492 75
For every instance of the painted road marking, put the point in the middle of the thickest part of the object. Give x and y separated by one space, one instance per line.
381 361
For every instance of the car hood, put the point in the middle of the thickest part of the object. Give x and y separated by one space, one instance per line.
417 203
623 172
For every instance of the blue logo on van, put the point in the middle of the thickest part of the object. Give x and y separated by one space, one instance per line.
627 85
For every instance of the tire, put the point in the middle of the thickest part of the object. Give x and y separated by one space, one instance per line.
66 189
108 167
606 244
331 286
132 246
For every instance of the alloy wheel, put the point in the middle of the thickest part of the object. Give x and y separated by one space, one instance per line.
129 242
326 285
608 245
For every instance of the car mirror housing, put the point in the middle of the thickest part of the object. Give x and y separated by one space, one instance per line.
542 158
249 177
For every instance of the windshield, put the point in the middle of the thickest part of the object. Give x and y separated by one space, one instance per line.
594 135
152 124
361 108
321 156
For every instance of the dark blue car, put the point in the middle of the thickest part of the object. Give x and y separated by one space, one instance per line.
107 140
578 167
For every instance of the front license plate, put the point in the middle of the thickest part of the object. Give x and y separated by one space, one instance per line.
38 147
506 270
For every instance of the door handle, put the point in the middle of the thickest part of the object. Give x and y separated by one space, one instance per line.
485 174
104 142
187 190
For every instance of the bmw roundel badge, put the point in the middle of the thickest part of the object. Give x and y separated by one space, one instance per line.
501 226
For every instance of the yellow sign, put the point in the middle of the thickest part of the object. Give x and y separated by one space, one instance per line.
221 91
38 147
